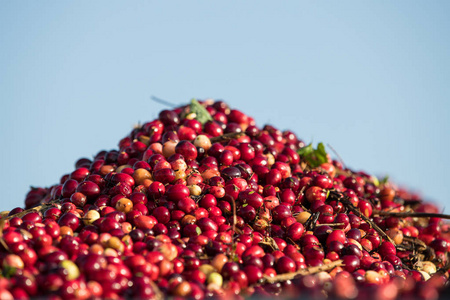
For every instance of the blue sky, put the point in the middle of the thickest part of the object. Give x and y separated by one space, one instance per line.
369 78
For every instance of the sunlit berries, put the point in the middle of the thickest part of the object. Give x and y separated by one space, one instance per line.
202 203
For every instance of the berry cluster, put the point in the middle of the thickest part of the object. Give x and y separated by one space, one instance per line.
201 203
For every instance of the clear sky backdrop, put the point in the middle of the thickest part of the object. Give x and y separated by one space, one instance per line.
370 78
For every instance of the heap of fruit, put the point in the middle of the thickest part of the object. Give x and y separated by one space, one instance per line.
202 203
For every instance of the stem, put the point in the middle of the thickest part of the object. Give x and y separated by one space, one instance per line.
411 214
158 294
226 137
331 224
357 212
233 202
36 208
2 241
412 244
304 272
269 241
164 102
233 241
444 269
337 154
311 222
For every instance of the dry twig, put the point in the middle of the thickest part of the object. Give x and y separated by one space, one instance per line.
158 294
411 214
357 212
227 137
303 272
268 241
38 208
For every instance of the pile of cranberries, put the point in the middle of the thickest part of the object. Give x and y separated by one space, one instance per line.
202 203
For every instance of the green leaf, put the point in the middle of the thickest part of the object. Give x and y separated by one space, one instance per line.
314 157
305 151
198 230
8 271
321 154
385 179
202 115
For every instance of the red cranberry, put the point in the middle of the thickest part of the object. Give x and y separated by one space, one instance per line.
336 235
281 212
251 198
169 117
164 175
177 192
79 174
354 220
186 204
273 177
229 269
322 233
354 234
187 149
342 218
440 245
69 188
315 193
52 213
70 220
351 263
248 213
365 207
351 249
323 181
335 246
285 265
387 248
309 239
